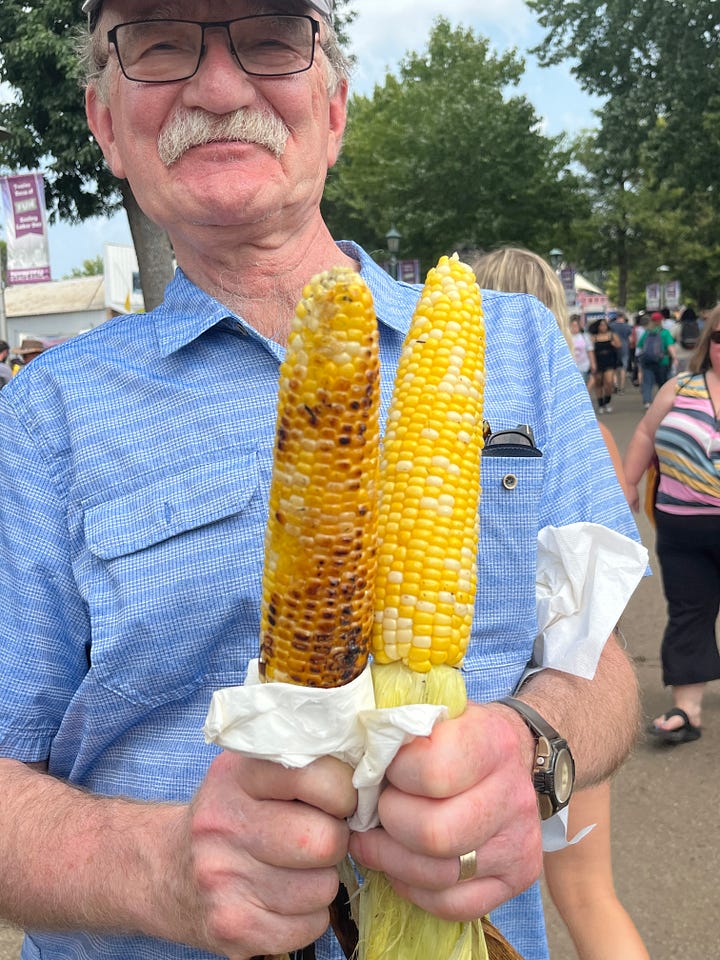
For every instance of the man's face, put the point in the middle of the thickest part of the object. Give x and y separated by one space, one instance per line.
226 183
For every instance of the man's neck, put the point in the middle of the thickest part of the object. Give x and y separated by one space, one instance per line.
263 282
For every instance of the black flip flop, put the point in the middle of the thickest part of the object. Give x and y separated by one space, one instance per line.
684 734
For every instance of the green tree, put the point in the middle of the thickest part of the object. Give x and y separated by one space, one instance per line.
343 17
443 152
652 168
656 56
90 268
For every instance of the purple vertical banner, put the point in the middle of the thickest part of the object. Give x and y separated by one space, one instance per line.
28 253
409 271
567 278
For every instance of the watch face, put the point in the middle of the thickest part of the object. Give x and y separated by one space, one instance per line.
564 776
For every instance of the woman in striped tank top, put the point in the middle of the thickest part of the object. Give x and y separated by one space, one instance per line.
682 427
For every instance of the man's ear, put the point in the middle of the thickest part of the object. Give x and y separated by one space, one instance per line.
100 122
337 119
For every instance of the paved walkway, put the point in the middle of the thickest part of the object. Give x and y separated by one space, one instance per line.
666 812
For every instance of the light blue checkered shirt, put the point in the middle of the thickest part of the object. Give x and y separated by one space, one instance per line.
136 466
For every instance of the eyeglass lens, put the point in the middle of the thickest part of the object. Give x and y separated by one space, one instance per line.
715 336
157 51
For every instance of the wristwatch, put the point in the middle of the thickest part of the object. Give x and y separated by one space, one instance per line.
554 767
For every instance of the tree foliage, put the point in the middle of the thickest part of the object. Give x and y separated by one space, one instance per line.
652 169
444 153
94 267
660 58
46 118
343 17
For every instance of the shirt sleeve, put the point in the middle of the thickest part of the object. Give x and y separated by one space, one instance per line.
44 625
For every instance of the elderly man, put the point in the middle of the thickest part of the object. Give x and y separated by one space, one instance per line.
134 498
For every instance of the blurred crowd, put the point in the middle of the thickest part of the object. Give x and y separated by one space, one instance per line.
645 349
13 359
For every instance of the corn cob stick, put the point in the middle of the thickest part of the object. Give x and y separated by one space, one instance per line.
426 582
320 543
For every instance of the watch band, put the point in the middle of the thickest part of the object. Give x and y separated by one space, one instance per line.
554 767
537 724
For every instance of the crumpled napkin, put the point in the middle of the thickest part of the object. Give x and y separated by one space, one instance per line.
586 574
585 577
295 725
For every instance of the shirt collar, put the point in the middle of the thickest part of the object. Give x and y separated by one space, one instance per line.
185 314
394 300
187 311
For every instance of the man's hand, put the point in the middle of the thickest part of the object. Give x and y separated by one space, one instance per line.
247 868
261 845
466 787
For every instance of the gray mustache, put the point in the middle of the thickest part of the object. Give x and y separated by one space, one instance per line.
193 128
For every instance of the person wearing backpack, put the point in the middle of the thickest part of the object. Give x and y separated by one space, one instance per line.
686 333
656 348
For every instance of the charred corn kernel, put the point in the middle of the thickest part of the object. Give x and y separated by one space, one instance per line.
430 474
320 542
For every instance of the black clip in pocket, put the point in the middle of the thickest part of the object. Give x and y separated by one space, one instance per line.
519 442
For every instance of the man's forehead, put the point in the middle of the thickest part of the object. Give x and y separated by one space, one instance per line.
244 7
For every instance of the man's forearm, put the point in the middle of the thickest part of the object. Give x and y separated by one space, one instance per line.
72 860
598 717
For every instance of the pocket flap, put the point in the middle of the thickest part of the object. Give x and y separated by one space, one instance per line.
167 507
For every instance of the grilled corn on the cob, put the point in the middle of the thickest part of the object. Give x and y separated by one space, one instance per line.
320 544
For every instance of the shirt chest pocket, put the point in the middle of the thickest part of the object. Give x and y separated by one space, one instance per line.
509 518
172 578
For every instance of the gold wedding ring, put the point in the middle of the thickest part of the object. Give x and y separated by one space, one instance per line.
468 866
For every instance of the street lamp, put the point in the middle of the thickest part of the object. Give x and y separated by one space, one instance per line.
556 256
393 238
663 271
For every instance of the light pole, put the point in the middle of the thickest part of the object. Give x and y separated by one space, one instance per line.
556 256
393 238
663 270
4 135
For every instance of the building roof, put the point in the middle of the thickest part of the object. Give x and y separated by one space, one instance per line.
582 283
55 296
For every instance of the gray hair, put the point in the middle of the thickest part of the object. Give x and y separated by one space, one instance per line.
92 53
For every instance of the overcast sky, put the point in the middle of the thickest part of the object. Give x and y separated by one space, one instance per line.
383 32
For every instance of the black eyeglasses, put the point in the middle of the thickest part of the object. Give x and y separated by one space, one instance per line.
715 336
165 51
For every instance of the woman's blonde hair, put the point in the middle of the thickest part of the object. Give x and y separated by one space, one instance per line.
699 362
517 270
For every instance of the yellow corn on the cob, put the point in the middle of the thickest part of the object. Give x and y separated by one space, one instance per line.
320 543
426 583
430 478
